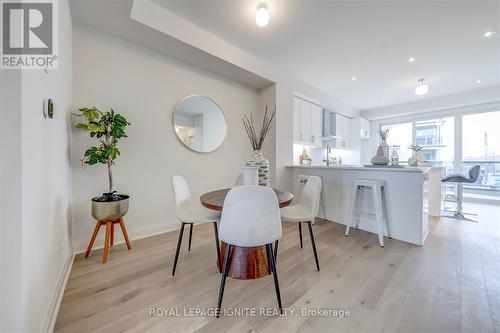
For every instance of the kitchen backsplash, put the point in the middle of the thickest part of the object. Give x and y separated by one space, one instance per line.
317 154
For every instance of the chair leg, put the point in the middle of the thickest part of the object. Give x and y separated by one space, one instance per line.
125 235
268 255
227 264
313 242
190 236
276 249
217 245
179 241
106 242
300 233
275 277
92 240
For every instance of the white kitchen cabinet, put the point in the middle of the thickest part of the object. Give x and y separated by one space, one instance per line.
362 126
316 124
307 125
343 127
365 128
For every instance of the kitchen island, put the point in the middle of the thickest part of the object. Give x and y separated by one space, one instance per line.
404 190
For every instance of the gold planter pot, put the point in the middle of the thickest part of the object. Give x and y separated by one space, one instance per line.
110 210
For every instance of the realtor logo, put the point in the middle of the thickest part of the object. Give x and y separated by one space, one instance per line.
29 35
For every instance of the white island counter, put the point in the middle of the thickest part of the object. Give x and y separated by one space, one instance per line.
404 190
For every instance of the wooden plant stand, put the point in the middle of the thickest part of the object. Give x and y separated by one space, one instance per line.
110 236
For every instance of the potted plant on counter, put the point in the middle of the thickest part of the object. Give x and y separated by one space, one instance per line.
108 128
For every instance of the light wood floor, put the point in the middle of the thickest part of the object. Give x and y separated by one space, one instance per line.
451 284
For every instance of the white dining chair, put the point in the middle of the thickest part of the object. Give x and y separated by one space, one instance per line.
304 211
189 212
249 176
250 218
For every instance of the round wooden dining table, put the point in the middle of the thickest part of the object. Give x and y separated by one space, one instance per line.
246 262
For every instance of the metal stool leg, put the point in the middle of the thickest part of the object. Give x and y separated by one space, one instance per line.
354 194
386 214
377 201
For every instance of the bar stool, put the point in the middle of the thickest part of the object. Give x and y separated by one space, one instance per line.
377 188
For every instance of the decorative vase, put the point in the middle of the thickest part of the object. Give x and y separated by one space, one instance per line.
385 147
256 159
380 158
413 160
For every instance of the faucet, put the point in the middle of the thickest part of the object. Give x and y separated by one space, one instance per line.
328 152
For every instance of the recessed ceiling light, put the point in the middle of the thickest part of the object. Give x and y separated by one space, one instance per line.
383 101
411 59
354 78
422 88
489 33
478 81
262 15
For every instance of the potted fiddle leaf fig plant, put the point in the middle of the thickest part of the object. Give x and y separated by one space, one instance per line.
108 128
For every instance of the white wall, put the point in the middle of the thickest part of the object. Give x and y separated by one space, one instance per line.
35 189
158 18
145 86
11 253
46 181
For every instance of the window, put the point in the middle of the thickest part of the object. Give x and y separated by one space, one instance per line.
436 136
481 146
400 138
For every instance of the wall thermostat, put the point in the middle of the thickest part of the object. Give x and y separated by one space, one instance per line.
48 108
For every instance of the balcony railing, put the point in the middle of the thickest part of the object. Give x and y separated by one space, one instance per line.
488 182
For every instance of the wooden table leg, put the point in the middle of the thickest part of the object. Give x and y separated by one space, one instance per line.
112 236
247 262
94 235
124 231
106 242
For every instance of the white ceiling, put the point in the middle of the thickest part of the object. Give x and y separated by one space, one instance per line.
325 43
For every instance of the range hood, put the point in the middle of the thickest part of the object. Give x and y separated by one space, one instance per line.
330 125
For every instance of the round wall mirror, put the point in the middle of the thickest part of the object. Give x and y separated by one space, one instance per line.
199 123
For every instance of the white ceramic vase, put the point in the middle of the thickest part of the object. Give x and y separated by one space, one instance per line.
380 158
256 159
385 147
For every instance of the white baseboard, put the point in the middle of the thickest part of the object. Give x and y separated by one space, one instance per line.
135 233
57 294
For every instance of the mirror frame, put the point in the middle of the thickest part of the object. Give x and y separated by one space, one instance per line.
223 115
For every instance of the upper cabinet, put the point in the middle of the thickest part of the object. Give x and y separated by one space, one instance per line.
361 127
306 122
365 128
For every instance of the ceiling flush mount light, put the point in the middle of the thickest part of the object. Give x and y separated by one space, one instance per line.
489 33
354 78
411 59
262 16
478 81
422 88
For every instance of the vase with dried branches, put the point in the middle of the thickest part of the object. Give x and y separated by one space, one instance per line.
256 159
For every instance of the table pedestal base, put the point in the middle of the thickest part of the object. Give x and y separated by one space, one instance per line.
247 262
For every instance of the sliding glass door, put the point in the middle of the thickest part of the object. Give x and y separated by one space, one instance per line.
481 146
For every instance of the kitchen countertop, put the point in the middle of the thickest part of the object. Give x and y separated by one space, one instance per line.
356 167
